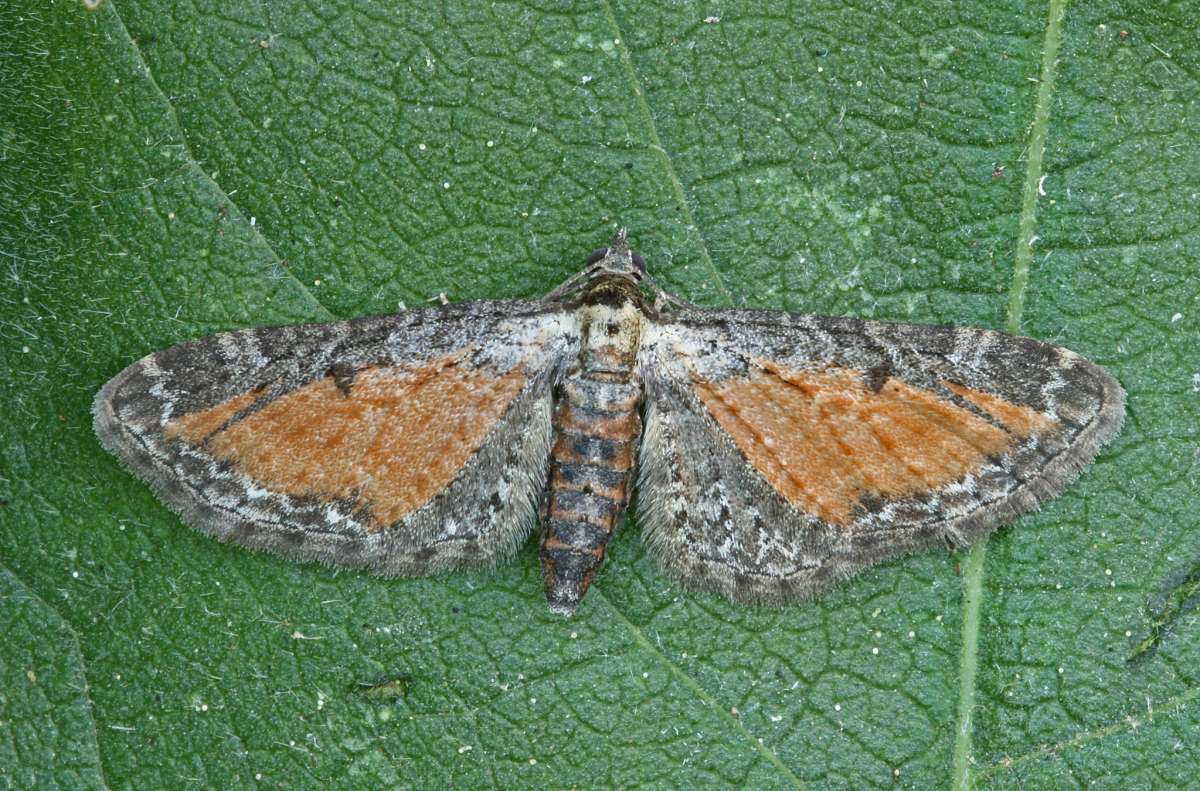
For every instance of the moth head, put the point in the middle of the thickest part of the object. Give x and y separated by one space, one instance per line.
617 259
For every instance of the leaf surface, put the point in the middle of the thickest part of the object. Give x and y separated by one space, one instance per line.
165 175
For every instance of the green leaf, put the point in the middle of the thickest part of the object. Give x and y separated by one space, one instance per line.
167 175
48 738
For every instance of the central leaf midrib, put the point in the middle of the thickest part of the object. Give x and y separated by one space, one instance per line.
973 575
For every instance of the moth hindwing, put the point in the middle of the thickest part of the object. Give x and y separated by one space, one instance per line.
775 452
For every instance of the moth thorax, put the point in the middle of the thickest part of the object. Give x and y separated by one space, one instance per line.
611 334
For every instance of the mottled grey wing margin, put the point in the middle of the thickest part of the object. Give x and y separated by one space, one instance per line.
712 521
483 515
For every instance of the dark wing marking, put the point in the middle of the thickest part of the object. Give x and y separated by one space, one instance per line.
403 444
783 451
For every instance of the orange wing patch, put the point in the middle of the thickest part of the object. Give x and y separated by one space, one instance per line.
1020 420
825 439
392 440
198 425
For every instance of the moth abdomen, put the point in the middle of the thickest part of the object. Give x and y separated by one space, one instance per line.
596 432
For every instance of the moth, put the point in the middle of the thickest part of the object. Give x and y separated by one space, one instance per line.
774 453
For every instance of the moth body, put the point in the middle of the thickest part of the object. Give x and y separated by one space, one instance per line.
781 452
597 428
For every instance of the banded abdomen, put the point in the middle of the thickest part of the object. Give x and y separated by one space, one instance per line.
597 428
